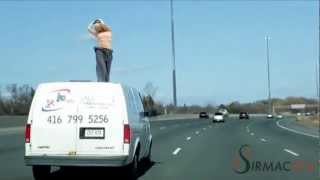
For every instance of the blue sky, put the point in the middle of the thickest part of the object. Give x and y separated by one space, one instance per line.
220 46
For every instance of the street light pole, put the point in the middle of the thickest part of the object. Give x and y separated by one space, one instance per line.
268 71
173 56
318 78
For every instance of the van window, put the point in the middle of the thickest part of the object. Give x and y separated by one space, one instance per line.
136 101
131 100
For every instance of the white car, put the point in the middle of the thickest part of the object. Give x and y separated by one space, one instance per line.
218 117
270 116
279 116
307 114
86 124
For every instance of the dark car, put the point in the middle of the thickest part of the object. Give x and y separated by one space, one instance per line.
244 115
204 115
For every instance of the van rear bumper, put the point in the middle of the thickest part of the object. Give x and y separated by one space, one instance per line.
85 161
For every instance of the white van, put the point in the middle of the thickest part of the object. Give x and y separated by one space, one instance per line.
86 124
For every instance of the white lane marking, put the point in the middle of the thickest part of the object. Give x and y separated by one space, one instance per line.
263 140
175 152
197 132
188 138
204 129
251 134
291 152
295 131
11 130
162 127
247 127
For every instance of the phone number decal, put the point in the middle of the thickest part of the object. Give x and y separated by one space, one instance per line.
78 119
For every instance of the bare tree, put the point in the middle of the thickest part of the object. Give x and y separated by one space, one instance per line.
17 99
2 112
150 89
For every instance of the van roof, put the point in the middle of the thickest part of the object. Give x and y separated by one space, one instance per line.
81 82
87 83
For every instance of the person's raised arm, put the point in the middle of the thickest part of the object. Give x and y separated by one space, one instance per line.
91 30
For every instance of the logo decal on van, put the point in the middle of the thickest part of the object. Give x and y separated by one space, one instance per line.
56 100
96 103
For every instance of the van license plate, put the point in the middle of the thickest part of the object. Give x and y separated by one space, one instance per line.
92 133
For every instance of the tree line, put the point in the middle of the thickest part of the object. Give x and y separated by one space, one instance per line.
261 106
16 100
257 107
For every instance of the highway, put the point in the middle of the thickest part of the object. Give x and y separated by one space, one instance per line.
196 150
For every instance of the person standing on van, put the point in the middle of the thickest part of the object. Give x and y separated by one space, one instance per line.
103 50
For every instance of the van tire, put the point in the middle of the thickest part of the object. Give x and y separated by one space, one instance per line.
41 172
133 168
147 159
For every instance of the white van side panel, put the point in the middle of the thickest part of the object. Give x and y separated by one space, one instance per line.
140 124
144 121
133 120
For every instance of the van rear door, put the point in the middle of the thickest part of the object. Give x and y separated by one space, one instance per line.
51 133
103 110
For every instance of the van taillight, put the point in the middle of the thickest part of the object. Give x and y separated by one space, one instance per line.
126 134
27 133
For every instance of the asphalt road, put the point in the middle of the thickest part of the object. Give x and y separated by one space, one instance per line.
197 150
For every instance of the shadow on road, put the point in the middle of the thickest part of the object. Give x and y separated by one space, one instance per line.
145 167
99 173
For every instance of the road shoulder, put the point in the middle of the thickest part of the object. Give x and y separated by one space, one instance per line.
295 127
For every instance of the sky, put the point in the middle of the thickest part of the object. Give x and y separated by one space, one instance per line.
220 46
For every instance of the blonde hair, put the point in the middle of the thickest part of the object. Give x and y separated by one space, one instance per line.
100 27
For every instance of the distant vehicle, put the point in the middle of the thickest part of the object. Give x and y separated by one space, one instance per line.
244 115
218 117
86 124
299 114
224 112
307 114
269 116
279 116
204 115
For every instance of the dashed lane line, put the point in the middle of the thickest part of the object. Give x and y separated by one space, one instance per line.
291 152
175 152
263 140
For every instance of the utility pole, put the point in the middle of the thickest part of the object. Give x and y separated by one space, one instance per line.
268 71
318 81
173 57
